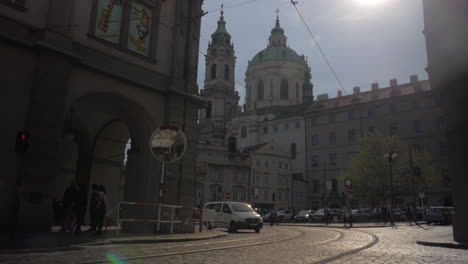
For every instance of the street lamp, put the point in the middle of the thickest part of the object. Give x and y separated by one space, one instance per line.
390 157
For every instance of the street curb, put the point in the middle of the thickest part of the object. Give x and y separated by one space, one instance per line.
108 242
442 244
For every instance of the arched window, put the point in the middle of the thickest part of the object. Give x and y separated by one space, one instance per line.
297 90
284 89
213 71
226 72
260 90
208 110
243 132
271 88
293 151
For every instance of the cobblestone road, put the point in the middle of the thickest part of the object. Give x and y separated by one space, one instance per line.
283 244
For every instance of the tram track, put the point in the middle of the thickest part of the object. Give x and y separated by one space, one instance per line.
301 234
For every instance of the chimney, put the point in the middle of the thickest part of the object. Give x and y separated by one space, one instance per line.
340 93
375 86
321 97
356 90
414 78
395 90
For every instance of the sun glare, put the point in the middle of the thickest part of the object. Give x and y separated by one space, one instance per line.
370 2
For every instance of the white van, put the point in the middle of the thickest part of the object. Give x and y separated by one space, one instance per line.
233 216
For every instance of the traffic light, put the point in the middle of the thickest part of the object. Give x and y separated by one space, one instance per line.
232 142
22 141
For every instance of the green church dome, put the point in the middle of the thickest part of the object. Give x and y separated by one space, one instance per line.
276 53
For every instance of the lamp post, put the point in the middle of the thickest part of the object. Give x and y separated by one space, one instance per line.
390 157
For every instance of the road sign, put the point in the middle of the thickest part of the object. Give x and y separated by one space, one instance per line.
168 143
348 182
227 195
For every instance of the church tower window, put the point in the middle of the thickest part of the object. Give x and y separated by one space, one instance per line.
243 132
213 71
226 72
260 90
284 89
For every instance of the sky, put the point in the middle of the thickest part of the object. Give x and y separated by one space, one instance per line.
365 41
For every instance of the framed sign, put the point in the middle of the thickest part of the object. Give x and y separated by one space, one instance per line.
139 30
168 143
109 20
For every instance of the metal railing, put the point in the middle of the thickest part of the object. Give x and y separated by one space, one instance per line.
158 221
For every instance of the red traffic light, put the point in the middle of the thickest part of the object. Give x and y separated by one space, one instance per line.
24 136
22 142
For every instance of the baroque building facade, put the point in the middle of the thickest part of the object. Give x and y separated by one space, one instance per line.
82 78
334 127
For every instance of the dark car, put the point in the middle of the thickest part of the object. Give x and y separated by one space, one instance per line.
441 215
304 216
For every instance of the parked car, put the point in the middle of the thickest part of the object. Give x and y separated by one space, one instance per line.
266 217
284 215
233 216
362 214
318 215
304 216
441 214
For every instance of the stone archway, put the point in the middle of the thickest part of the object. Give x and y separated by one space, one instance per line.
102 125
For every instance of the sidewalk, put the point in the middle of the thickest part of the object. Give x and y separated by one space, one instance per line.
56 241
445 241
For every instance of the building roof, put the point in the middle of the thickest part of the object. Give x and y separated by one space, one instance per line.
375 94
281 112
280 53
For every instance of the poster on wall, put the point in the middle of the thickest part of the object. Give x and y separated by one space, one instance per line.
108 20
140 29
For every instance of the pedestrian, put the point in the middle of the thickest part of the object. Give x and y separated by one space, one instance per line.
349 217
344 215
326 216
93 206
101 208
79 207
409 214
383 213
69 207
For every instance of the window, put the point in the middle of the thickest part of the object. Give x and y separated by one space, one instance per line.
226 72
351 115
371 130
258 163
415 105
393 108
293 151
332 118
265 195
265 130
393 128
271 88
257 178
266 163
333 159
286 126
443 149
275 128
280 196
284 89
315 186
260 90
112 17
441 123
280 164
314 140
315 161
417 126
219 175
351 135
298 124
266 179
334 185
213 71
235 176
286 165
419 148
314 121
243 132
371 112
297 90
208 110
332 137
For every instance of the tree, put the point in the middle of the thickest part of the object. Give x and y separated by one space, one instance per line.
370 172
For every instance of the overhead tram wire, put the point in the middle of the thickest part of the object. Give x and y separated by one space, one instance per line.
294 3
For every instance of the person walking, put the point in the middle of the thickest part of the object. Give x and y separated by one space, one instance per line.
92 207
101 208
349 217
70 198
344 214
326 216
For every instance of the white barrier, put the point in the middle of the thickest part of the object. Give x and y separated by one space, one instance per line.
158 221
